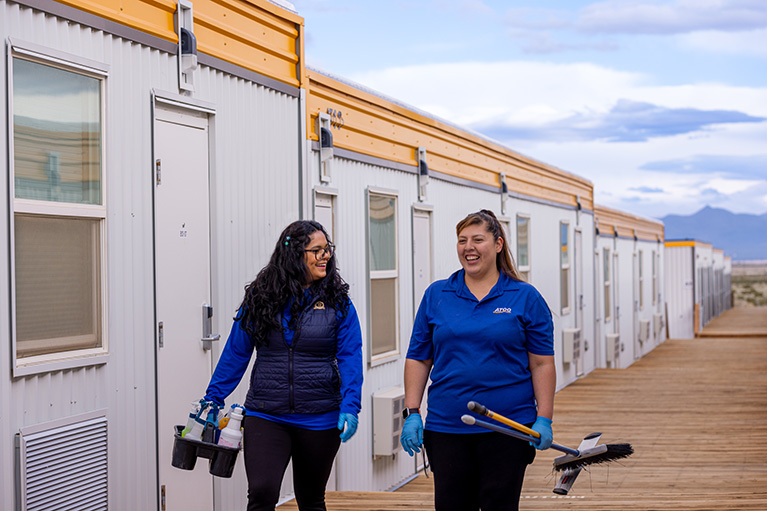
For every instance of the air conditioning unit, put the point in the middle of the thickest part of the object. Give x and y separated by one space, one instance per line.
644 330
657 323
613 348
387 420
571 345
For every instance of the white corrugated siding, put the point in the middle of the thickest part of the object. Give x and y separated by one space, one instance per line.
704 289
254 195
679 281
625 250
125 386
356 469
648 310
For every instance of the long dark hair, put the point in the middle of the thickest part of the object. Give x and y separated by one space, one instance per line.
285 277
503 259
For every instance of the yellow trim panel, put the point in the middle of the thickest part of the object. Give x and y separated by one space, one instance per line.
371 125
688 243
610 221
253 34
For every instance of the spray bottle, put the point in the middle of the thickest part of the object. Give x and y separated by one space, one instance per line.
223 421
231 436
210 429
194 414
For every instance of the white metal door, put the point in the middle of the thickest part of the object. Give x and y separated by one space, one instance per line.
422 273
579 302
635 298
182 255
617 304
599 341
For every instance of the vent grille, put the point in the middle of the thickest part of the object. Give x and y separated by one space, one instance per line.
65 468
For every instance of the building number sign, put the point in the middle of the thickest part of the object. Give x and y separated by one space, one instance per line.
336 118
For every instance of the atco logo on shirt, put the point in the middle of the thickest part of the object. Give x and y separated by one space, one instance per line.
502 310
319 305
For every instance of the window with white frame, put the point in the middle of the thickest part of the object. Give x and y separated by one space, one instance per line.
59 215
523 247
606 273
384 274
564 265
641 281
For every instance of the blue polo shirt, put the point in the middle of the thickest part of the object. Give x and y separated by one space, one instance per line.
480 349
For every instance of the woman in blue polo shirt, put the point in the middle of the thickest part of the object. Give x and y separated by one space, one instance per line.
306 381
482 335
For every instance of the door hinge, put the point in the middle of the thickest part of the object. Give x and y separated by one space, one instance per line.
162 497
160 335
158 171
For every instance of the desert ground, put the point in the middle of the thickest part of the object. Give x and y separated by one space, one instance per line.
749 283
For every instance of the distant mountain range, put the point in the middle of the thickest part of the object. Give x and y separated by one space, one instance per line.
742 237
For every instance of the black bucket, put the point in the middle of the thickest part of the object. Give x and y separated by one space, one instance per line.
187 450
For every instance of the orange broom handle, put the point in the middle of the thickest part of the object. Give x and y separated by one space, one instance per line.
482 410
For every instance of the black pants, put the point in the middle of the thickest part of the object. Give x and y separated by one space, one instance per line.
269 446
477 471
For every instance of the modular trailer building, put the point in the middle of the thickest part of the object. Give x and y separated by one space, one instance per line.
155 150
699 285
141 187
629 261
392 188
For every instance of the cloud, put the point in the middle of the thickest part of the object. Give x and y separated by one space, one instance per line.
538 18
542 43
753 42
627 121
712 196
678 17
563 115
321 6
475 7
732 166
646 17
722 26
621 180
531 92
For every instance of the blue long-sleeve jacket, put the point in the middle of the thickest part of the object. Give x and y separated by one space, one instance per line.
238 351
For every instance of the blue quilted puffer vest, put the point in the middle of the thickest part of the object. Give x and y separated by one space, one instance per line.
302 377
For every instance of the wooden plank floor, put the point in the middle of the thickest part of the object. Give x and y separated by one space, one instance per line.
695 411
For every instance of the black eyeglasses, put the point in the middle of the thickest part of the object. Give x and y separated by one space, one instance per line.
320 252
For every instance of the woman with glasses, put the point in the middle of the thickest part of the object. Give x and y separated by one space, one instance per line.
481 335
305 385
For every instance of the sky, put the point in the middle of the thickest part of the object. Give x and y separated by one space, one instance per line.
662 105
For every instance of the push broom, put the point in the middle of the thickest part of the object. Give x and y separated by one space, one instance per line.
573 458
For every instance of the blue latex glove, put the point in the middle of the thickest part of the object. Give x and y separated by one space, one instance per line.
543 427
347 423
412 434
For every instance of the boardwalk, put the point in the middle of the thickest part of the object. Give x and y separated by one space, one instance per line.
695 411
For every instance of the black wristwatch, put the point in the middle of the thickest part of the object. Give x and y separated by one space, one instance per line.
410 411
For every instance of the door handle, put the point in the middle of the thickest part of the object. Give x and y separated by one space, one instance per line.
207 326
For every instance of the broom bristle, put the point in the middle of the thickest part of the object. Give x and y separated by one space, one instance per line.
611 453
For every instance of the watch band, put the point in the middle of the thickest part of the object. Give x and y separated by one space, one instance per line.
410 411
